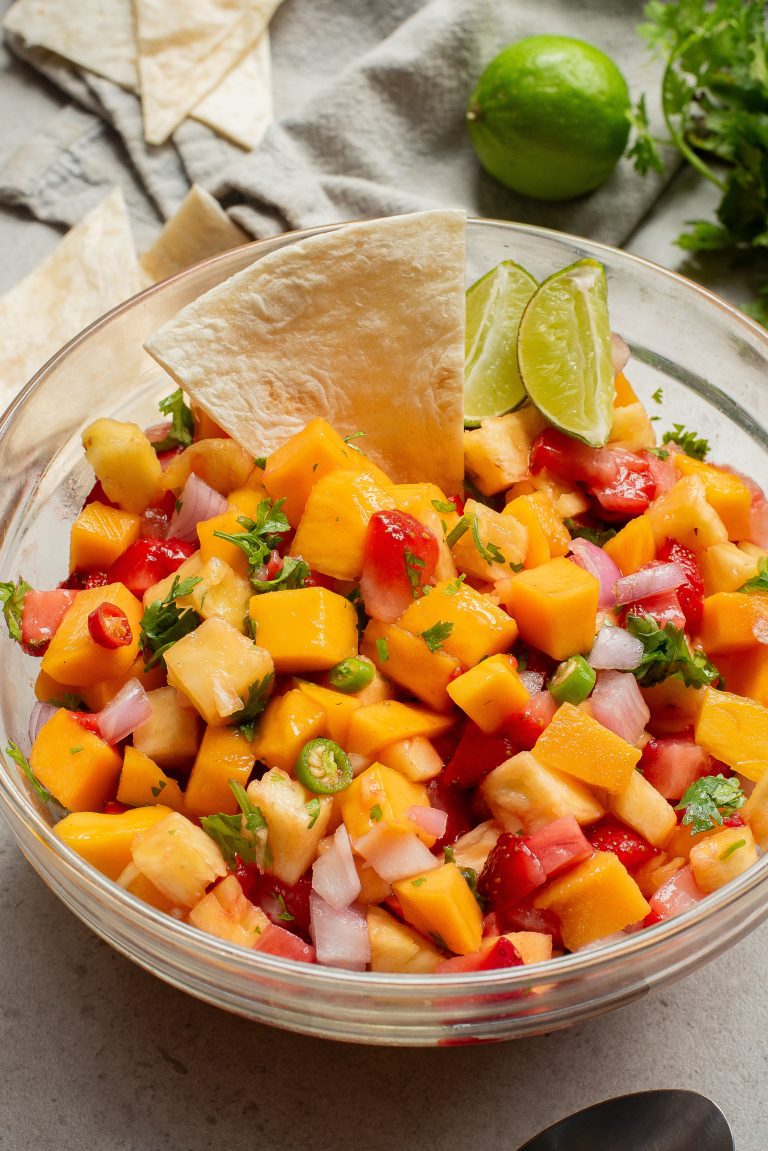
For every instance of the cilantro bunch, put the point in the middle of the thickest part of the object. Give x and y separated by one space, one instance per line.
258 539
714 97
666 653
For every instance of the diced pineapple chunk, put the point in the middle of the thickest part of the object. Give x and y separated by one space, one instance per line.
632 428
734 729
170 735
684 514
105 840
723 856
125 464
397 947
226 913
755 811
496 454
179 858
523 793
503 539
642 807
473 848
221 463
215 667
415 758
294 830
725 567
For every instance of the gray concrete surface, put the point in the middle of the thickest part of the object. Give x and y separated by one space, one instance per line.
94 1053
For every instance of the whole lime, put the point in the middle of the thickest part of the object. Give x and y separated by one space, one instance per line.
548 117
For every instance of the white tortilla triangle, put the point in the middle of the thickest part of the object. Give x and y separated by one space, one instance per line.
91 270
94 34
198 229
363 325
240 107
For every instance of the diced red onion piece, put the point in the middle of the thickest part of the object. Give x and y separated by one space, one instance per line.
334 876
678 894
617 703
430 819
39 716
533 681
615 649
129 709
158 432
599 564
395 854
619 353
650 580
340 937
198 502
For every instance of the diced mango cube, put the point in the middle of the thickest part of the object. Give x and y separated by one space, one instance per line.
734 729
633 547
221 462
496 454
478 627
376 725
224 754
440 904
503 540
725 567
685 514
490 692
79 768
125 464
733 621
336 707
213 547
298 464
726 493
642 807
547 534
331 532
170 736
532 946
380 796
596 898
625 393
100 534
289 722
555 605
305 629
397 947
105 840
143 783
215 666
525 794
226 913
721 857
746 672
73 657
577 744
406 659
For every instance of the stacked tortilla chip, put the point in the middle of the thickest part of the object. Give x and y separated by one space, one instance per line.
208 60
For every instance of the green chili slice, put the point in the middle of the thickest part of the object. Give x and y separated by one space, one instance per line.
572 681
351 675
323 767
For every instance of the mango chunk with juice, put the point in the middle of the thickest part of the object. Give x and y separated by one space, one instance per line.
331 532
305 629
225 753
377 725
381 796
142 783
633 546
73 658
490 692
595 899
105 840
289 722
577 744
407 661
79 768
555 606
478 627
733 621
100 534
440 905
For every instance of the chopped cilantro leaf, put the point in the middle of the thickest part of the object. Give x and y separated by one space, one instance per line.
449 855
658 396
382 649
12 601
43 794
660 453
259 538
376 813
422 879
182 423
284 913
260 462
597 536
160 785
413 569
444 506
454 586
667 653
758 583
470 877
76 750
708 799
258 697
70 701
455 534
489 552
164 623
695 446
434 637
348 440
243 835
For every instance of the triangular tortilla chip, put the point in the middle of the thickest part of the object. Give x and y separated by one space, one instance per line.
182 60
90 271
240 108
94 34
199 229
363 325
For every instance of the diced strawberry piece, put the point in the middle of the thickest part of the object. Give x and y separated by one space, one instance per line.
492 925
691 593
664 608
502 953
526 725
287 906
88 720
672 765
41 614
399 559
147 561
277 941
114 807
454 803
81 580
511 872
525 917
156 518
475 756
678 894
559 845
629 847
621 481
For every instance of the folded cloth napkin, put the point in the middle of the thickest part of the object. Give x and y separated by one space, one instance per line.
369 103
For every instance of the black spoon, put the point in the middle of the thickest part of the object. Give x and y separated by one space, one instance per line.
646 1121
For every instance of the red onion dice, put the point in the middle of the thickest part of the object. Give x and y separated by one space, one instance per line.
615 649
394 854
599 564
334 876
123 714
649 580
340 937
198 502
617 703
39 716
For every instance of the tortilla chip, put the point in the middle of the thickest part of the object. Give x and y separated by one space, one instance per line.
363 325
91 270
91 33
199 229
240 108
181 62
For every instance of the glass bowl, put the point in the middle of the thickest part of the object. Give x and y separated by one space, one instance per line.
711 363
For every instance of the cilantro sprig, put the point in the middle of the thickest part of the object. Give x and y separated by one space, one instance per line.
709 800
489 552
242 835
692 444
666 653
14 752
595 535
259 537
12 603
758 583
414 570
256 701
434 637
164 623
182 426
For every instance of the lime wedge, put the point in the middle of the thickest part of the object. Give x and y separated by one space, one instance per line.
492 383
564 352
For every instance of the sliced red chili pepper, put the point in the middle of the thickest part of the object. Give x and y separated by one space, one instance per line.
109 626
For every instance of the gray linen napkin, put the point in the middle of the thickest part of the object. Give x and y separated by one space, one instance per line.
370 98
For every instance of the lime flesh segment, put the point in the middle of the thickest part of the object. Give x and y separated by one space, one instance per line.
564 352
495 303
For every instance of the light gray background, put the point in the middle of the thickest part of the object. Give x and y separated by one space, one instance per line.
95 1054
